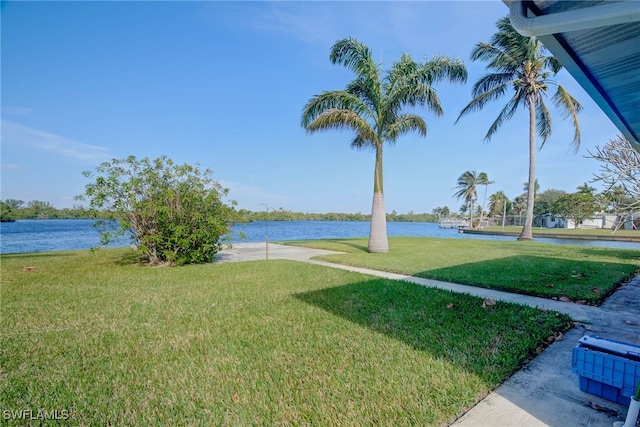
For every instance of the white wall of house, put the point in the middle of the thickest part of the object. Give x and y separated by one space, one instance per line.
609 221
595 222
550 221
632 220
602 220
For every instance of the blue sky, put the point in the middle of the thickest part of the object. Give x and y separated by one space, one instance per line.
224 83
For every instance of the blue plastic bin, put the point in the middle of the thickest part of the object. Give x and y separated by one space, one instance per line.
607 368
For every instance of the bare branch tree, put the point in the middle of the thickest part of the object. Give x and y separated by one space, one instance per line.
620 168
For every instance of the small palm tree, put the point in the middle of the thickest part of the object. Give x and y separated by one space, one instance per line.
499 205
497 202
519 65
536 187
483 179
467 190
615 195
586 189
373 106
520 204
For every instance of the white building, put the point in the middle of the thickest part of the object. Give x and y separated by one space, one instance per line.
599 220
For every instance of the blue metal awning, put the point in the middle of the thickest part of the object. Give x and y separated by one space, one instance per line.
598 42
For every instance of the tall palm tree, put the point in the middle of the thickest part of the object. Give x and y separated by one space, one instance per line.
483 179
467 190
518 64
374 106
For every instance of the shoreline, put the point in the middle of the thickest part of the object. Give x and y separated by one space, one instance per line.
555 235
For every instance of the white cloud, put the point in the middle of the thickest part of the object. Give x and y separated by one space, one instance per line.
9 166
250 196
295 20
15 134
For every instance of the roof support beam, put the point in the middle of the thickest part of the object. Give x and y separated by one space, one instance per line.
608 13
551 28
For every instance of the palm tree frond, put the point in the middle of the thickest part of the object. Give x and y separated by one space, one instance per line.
404 124
441 68
340 120
570 108
354 55
552 63
339 100
497 58
491 82
543 120
409 83
505 114
365 91
360 142
414 94
466 186
479 101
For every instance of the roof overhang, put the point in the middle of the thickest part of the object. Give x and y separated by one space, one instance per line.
598 43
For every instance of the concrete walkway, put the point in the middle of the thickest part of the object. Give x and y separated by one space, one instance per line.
543 393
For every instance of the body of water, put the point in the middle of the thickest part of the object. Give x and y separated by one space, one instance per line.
72 234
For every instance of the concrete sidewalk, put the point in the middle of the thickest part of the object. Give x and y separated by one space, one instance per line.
543 393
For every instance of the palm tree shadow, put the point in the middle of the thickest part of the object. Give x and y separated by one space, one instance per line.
464 333
623 254
350 243
552 278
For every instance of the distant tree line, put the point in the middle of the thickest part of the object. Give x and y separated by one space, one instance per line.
243 215
577 206
12 210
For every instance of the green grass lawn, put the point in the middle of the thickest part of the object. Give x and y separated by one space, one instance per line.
582 232
581 273
252 343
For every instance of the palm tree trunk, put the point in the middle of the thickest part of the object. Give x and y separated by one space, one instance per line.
484 200
378 242
526 233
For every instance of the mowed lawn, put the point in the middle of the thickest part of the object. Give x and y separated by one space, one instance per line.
108 342
584 274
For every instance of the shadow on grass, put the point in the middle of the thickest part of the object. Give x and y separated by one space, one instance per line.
128 258
491 342
546 277
349 243
335 244
623 254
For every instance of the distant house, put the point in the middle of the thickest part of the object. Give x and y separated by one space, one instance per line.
454 222
599 220
549 220
632 221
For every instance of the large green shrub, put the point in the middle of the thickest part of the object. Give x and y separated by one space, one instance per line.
577 206
173 213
